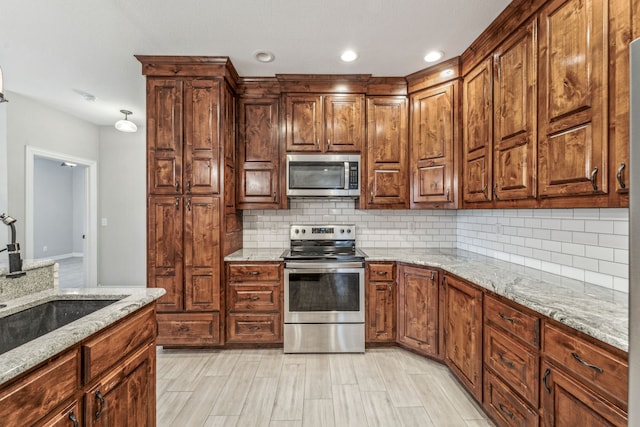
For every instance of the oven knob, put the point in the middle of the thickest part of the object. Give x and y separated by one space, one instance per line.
342 231
348 230
297 231
304 231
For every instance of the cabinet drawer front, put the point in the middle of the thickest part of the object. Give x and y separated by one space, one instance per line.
189 329
109 347
504 406
254 298
381 272
37 394
593 364
515 363
254 328
254 272
512 320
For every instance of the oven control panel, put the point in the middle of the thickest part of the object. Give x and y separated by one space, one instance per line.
323 232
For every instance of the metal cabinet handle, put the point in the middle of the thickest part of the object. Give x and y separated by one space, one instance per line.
177 186
544 380
390 291
100 398
328 142
508 319
495 191
177 203
593 179
254 328
183 328
619 175
73 419
381 273
588 365
253 273
254 298
433 275
189 204
447 195
188 186
506 361
505 411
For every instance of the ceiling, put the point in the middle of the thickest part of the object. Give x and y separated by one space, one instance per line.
55 50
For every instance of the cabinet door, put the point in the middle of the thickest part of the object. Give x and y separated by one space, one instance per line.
433 136
70 416
164 250
380 312
202 253
202 136
463 333
573 98
343 122
566 402
259 154
164 136
304 122
125 396
387 152
418 319
478 134
228 125
515 111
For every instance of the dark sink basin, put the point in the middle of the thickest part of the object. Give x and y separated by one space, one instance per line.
29 324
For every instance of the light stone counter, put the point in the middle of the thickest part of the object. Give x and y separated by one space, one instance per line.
26 356
599 312
40 275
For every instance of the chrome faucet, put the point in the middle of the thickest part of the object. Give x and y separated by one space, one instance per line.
15 262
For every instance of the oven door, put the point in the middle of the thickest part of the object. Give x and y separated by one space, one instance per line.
324 292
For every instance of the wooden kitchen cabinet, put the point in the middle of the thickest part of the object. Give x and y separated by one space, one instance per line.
434 141
573 99
477 150
419 320
381 302
386 153
463 332
254 301
258 153
70 416
324 123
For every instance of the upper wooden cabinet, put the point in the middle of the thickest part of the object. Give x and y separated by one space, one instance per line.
478 134
573 89
324 123
183 136
514 115
258 153
434 140
386 153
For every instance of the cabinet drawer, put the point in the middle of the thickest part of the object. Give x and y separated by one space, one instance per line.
254 297
254 272
514 362
189 329
37 394
248 328
65 417
504 406
381 272
109 347
512 320
588 361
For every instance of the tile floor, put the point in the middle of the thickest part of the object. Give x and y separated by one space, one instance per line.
70 272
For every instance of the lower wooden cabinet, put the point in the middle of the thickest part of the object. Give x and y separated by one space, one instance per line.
69 416
504 406
380 303
189 329
419 321
463 333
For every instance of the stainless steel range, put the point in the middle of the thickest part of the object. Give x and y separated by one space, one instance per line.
323 290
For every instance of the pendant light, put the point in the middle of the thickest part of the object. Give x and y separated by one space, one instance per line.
126 125
2 98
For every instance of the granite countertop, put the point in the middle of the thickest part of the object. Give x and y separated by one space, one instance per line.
26 356
599 312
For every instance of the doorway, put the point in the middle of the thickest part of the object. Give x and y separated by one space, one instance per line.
61 214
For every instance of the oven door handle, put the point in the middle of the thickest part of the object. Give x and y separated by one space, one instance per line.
321 267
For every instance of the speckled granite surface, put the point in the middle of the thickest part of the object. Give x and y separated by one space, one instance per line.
40 276
599 312
20 359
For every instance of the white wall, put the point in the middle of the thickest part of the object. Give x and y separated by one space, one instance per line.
79 203
32 123
122 243
4 235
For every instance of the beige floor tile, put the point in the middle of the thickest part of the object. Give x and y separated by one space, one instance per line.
235 390
289 401
270 363
317 379
414 417
341 367
347 406
221 421
169 406
441 410
367 373
222 363
397 382
196 411
379 409
283 423
259 403
318 413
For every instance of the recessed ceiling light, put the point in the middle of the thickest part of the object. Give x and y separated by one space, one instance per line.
349 56
264 56
434 56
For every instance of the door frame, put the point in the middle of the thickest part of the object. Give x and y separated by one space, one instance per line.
90 261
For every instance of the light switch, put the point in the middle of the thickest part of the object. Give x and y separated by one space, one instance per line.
103 222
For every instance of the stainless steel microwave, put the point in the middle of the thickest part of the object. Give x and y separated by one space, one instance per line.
323 175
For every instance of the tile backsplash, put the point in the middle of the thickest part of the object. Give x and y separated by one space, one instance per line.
584 244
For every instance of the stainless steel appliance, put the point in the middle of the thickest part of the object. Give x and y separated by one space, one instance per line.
323 175
323 290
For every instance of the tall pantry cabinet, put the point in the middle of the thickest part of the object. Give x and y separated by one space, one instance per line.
191 218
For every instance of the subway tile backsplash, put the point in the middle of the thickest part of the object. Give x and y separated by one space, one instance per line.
584 244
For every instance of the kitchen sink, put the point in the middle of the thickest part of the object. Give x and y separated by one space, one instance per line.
29 324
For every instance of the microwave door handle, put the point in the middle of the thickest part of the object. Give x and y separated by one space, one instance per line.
346 175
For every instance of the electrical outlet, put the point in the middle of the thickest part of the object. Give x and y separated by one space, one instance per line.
104 222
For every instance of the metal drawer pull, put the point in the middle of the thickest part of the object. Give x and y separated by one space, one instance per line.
183 329
588 365
381 273
504 411
544 380
433 275
253 273
100 398
508 319
593 179
507 362
73 419
254 298
254 328
619 176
